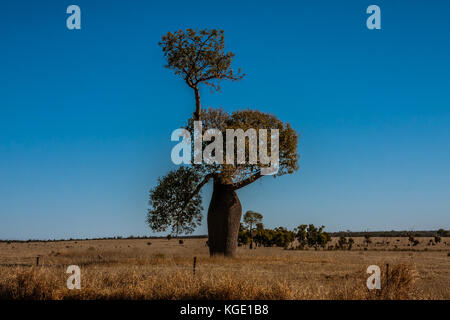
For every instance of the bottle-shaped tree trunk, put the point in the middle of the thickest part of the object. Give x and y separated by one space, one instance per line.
224 216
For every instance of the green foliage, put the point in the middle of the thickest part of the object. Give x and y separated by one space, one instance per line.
301 235
282 237
244 236
306 236
199 56
247 119
251 218
316 237
167 199
311 236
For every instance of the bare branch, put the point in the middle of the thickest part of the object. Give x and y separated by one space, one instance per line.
197 190
247 181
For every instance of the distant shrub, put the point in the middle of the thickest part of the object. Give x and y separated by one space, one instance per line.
344 244
412 241
367 240
350 243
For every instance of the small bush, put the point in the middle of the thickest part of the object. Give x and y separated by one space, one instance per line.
400 285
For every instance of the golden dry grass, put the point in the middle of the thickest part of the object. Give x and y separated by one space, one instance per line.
132 269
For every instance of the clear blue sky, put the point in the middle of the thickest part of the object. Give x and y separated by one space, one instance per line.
86 115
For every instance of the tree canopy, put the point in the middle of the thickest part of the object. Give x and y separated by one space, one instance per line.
242 174
199 57
165 200
252 218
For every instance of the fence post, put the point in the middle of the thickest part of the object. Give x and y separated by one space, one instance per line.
37 261
195 262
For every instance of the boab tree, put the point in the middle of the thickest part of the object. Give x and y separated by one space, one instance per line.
176 202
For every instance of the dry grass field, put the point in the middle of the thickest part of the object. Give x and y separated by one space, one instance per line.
163 269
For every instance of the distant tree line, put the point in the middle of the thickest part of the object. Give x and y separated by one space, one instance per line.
393 233
104 238
253 233
302 237
279 233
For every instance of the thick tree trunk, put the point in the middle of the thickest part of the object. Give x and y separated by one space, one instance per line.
224 216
